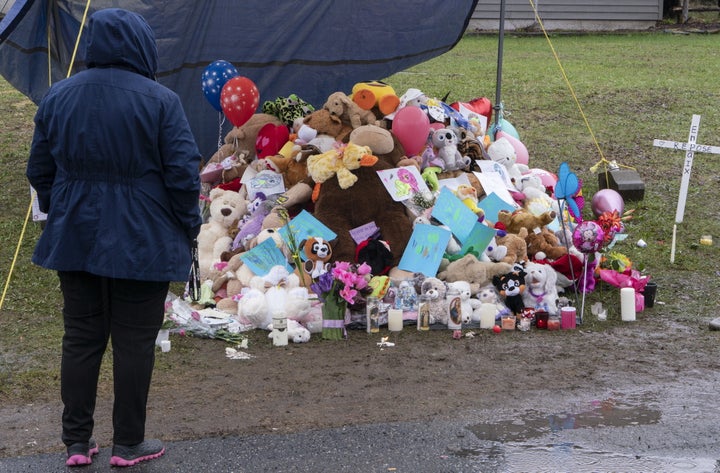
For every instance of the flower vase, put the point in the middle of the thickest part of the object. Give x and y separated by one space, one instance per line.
333 314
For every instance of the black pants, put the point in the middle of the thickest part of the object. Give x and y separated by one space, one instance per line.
129 313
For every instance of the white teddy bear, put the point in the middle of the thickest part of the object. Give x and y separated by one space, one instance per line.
537 199
502 152
226 209
468 305
278 291
489 295
295 332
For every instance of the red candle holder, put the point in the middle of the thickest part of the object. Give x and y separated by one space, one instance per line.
541 319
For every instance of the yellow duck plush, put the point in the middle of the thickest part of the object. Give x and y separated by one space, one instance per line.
339 162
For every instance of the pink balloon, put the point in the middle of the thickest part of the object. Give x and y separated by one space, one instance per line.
411 126
588 236
520 150
607 200
548 179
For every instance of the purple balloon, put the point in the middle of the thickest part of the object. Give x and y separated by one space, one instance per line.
607 200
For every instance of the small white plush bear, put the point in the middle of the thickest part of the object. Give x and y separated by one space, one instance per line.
502 152
537 199
297 332
278 291
468 305
226 209
489 295
310 319
445 142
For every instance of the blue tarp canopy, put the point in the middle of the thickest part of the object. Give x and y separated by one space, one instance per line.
310 48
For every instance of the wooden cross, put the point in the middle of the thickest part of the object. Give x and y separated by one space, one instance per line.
690 148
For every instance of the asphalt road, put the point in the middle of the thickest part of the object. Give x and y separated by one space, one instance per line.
666 428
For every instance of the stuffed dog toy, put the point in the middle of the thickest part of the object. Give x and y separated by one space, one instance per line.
541 291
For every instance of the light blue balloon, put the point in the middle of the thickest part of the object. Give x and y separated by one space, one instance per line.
505 126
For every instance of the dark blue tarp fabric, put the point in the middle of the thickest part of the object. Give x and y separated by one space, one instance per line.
311 48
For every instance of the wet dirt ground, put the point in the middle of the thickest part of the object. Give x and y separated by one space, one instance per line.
426 377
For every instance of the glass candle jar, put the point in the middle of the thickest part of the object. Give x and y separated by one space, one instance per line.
372 311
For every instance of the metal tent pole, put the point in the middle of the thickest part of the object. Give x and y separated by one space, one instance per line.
498 84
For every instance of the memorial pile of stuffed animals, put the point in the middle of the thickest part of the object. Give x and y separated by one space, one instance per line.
378 202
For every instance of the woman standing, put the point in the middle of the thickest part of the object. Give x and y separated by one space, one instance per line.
115 166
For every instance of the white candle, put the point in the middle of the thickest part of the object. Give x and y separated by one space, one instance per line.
165 346
487 315
279 332
395 320
627 304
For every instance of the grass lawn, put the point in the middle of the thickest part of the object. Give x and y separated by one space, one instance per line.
608 97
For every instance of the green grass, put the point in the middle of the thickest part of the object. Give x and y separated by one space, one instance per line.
632 88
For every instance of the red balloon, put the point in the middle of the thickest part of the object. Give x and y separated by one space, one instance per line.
239 100
411 126
480 105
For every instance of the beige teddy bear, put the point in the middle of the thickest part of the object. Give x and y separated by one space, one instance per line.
350 113
226 209
477 273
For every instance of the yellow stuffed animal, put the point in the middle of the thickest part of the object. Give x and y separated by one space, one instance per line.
469 197
339 162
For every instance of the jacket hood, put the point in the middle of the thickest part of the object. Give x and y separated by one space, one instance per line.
121 38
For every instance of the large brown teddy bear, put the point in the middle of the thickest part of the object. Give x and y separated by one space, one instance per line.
365 201
327 124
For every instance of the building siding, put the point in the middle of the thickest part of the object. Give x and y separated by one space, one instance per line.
564 14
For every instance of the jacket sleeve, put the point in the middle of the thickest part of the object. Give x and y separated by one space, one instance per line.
41 166
181 167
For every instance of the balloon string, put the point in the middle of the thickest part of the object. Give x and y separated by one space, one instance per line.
561 208
603 161
221 122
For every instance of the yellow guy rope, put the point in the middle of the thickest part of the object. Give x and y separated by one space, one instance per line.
32 197
602 161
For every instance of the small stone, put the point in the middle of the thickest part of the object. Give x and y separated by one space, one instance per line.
715 324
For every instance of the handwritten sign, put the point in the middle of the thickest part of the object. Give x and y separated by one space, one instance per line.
492 204
425 250
403 182
263 257
451 211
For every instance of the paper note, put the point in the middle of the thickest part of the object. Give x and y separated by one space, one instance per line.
425 250
263 257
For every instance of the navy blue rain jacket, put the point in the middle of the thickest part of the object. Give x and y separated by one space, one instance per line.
114 162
